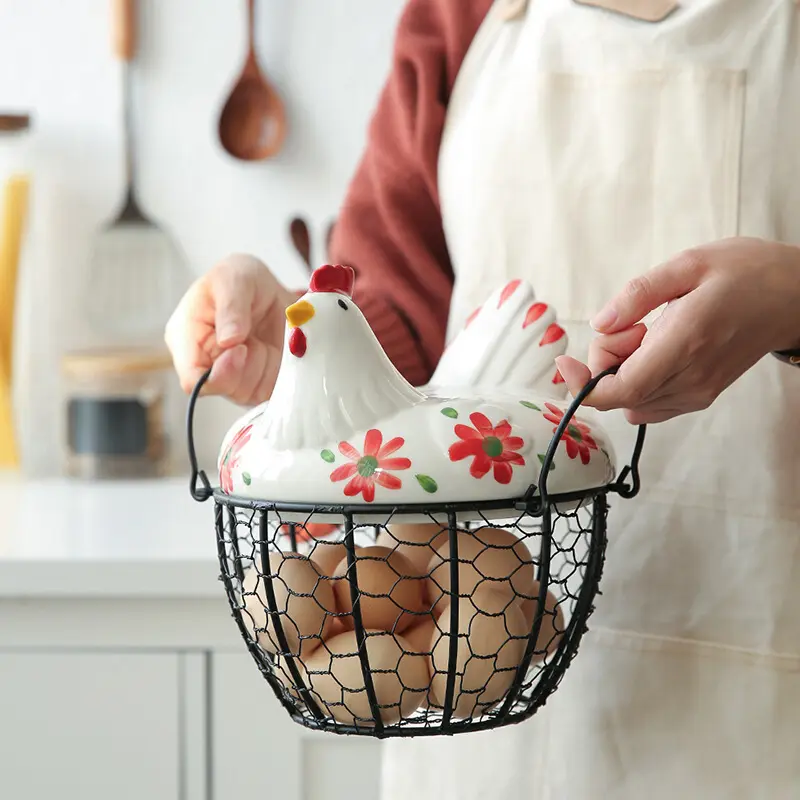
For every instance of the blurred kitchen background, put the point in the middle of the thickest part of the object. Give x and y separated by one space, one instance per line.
122 672
327 59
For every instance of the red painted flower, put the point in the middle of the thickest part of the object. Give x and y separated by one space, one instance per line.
232 459
373 467
577 436
490 446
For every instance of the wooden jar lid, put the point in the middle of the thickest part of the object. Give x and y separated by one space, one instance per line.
11 123
94 363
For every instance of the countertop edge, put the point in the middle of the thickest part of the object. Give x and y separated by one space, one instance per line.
41 579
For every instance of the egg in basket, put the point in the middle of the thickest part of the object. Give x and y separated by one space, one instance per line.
406 561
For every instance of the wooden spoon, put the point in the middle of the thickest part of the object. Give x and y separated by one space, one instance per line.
252 125
298 230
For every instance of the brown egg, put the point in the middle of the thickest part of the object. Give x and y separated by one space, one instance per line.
420 638
486 657
284 675
416 542
420 634
327 556
339 682
552 626
389 586
303 599
339 624
489 557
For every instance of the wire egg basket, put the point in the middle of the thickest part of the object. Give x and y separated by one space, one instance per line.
387 628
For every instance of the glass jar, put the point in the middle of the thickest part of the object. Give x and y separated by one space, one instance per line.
115 413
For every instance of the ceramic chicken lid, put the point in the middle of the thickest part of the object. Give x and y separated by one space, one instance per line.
343 426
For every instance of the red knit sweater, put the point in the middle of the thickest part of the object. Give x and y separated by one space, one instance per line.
390 227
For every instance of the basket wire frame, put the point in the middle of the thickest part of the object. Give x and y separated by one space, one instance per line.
488 662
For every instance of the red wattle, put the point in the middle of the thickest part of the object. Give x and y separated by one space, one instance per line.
297 343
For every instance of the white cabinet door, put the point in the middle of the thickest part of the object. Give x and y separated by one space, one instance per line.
92 726
260 752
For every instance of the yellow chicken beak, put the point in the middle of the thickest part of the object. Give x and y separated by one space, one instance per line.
299 313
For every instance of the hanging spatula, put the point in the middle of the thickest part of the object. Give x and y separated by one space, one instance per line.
137 274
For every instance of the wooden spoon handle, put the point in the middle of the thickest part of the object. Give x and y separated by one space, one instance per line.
251 20
301 239
124 21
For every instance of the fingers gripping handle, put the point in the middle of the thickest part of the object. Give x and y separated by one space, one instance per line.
620 486
199 485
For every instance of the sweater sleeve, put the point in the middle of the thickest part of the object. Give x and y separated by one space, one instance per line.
390 228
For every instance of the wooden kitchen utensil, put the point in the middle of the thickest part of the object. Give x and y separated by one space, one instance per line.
301 239
252 125
329 237
137 273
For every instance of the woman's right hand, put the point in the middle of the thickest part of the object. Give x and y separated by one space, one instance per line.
231 318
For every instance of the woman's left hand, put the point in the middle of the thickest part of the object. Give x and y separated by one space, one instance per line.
729 304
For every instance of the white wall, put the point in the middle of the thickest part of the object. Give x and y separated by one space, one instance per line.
328 59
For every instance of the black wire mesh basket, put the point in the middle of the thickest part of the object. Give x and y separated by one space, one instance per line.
397 628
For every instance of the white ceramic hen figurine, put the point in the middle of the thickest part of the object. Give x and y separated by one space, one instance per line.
343 426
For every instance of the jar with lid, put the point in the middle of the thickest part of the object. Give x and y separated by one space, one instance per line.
115 413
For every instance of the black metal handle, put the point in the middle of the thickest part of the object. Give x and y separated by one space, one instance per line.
619 486
204 491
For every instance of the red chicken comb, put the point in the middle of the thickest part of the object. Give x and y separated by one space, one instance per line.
333 278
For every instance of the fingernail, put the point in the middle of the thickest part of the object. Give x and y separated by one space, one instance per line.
605 319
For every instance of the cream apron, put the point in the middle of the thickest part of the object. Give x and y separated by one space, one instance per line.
581 148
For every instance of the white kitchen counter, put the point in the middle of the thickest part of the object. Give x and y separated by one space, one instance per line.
62 538
116 637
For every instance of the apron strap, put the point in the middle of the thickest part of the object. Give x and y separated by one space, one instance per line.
643 10
515 9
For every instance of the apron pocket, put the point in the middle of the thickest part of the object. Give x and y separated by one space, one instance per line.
640 716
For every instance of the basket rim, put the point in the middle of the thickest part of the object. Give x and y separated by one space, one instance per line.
534 506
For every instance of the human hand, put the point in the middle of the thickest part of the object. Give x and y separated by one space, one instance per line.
729 304
231 318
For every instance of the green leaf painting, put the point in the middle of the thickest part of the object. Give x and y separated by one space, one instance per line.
541 457
427 483
530 405
328 456
246 478
450 412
